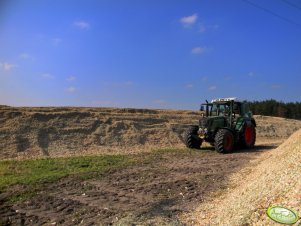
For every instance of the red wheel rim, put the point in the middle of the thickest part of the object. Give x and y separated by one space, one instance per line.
249 135
228 142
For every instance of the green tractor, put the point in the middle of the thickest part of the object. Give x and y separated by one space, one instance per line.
226 122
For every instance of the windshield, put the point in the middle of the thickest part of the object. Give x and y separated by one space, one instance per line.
219 109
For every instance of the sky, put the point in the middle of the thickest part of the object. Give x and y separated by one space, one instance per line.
164 54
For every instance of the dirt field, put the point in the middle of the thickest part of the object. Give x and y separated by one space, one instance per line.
159 190
153 192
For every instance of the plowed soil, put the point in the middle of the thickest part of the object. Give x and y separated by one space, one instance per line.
156 191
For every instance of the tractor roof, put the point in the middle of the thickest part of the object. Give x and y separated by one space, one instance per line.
225 100
222 101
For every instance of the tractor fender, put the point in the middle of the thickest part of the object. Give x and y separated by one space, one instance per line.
247 122
250 122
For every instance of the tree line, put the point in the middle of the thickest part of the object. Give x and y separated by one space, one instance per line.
275 108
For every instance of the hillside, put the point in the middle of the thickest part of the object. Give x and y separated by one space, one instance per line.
51 131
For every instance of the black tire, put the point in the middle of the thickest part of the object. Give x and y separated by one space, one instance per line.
248 137
224 141
191 138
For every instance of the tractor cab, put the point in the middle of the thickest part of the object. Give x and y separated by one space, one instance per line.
226 107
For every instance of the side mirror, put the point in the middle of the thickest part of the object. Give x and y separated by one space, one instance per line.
202 108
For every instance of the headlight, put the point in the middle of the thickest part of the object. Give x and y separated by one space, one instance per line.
201 132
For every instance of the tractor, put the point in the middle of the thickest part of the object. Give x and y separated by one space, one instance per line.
224 123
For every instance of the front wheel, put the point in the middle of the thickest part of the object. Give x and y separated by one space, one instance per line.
191 138
224 141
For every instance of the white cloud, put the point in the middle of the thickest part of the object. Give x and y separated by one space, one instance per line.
189 20
105 103
160 102
189 86
251 74
119 85
56 41
204 78
71 89
82 25
215 27
47 76
25 56
7 66
128 83
202 28
198 50
212 88
71 78
275 86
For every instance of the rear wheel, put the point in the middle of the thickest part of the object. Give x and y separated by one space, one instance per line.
224 141
249 136
191 138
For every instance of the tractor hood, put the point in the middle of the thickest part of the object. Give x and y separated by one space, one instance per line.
211 123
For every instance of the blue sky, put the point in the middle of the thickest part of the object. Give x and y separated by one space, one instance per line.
148 53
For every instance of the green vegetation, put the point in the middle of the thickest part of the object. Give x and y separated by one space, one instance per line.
276 108
37 171
31 172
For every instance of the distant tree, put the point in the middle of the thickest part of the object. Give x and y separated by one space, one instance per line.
281 110
276 108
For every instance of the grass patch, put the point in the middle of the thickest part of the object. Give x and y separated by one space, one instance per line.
31 172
